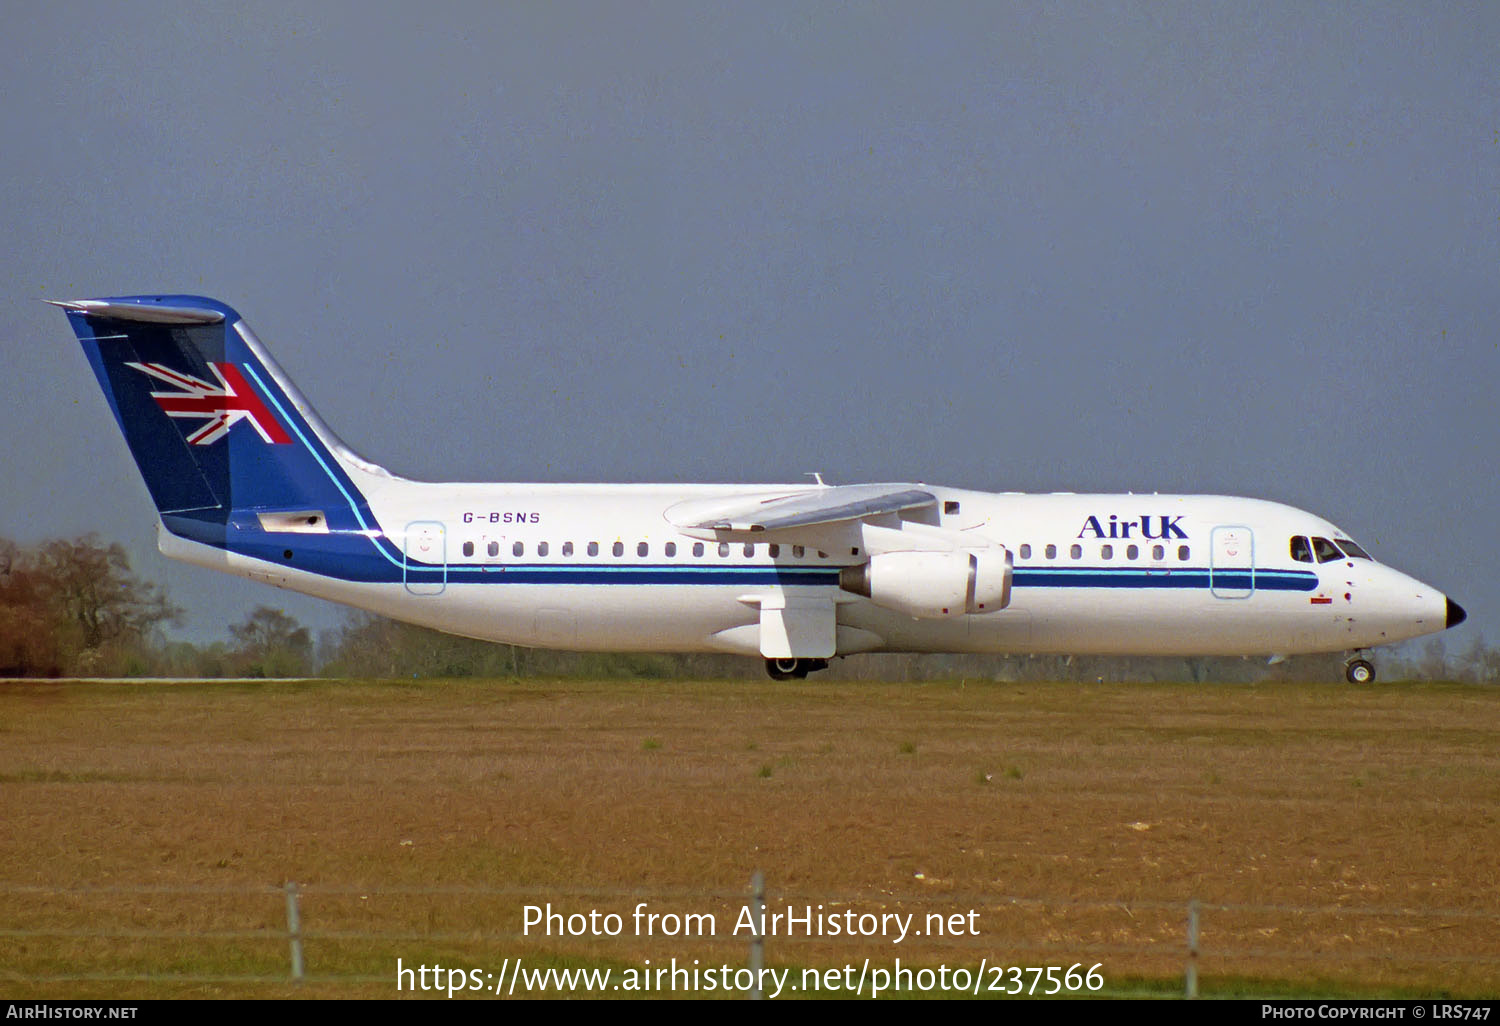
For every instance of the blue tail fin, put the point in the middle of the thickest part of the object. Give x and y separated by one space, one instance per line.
222 438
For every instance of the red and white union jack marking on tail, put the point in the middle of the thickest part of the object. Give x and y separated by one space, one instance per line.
225 404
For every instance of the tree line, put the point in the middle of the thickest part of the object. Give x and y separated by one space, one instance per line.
74 607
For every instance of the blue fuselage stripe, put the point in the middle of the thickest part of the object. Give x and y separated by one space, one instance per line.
1186 577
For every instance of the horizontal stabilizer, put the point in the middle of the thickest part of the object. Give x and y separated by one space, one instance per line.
138 313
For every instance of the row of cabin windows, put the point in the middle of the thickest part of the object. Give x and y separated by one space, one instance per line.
1158 552
643 549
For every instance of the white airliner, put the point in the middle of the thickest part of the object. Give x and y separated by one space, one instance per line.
248 479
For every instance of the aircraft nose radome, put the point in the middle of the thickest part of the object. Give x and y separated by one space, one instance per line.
1456 614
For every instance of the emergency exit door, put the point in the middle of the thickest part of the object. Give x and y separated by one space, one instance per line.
425 568
1231 573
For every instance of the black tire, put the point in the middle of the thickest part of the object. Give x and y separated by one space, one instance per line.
777 669
1360 671
793 669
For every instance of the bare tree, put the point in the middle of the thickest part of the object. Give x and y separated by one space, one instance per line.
269 643
30 642
91 586
1434 662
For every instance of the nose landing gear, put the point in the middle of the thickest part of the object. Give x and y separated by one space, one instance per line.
787 669
1359 670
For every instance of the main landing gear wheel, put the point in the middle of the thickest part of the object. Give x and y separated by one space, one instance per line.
1359 671
787 669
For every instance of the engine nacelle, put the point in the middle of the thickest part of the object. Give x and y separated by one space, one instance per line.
934 585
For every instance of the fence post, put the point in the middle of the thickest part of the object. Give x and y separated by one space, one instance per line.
294 930
758 932
1190 977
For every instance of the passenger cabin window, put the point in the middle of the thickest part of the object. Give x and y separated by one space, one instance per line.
541 548
1025 552
468 548
1051 551
567 548
749 550
697 548
670 549
1106 552
774 550
642 549
1132 552
1325 550
493 549
1301 551
1184 553
1076 552
518 549
797 551
593 548
1158 552
723 550
618 548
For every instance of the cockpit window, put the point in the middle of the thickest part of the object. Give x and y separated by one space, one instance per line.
1301 551
1351 550
1326 550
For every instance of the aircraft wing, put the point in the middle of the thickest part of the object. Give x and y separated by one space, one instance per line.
781 511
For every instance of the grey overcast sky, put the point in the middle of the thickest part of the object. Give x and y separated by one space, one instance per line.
1219 247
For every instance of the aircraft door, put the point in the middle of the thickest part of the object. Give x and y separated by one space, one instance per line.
1231 573
425 566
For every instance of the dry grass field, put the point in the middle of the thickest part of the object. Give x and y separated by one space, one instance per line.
1341 840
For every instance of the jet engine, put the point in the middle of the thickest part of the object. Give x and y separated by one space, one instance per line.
934 585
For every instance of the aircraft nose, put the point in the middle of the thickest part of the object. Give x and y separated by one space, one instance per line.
1456 614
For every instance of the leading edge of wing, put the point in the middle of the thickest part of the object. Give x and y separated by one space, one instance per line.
781 511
